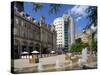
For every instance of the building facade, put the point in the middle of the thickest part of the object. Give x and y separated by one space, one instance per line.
87 34
30 35
65 29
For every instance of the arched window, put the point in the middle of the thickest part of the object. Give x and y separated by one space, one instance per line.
15 30
17 21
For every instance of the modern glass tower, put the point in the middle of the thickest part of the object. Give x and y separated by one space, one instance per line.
65 29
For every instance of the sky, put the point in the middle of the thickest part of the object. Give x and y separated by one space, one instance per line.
78 12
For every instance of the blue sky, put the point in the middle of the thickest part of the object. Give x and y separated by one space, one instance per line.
76 11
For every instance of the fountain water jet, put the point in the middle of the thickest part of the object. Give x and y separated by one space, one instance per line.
84 58
57 64
40 67
84 55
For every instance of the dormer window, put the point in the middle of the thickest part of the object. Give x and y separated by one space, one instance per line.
22 23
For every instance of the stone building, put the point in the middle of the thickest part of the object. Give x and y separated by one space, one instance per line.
29 35
87 34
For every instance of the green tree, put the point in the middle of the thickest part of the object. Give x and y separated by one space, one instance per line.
94 45
77 47
92 15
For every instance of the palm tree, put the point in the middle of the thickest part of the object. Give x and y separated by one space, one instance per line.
53 8
92 15
37 6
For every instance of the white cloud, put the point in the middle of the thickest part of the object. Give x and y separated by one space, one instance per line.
78 12
78 18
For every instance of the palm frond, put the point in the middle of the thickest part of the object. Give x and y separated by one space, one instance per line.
92 15
54 8
37 6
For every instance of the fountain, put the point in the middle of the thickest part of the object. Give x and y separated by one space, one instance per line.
57 64
71 64
40 67
84 55
80 63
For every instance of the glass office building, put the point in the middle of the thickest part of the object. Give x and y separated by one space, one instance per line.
65 29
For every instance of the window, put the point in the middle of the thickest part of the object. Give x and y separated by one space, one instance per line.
25 25
22 23
15 31
22 33
30 34
17 21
